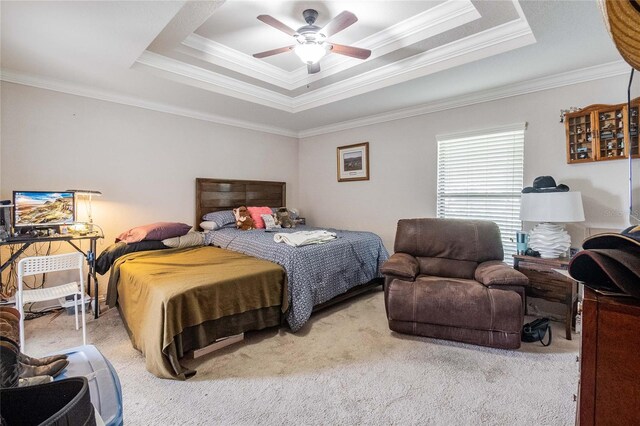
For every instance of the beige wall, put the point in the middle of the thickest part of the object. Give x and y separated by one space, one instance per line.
144 162
403 161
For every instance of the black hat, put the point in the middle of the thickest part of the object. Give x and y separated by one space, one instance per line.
611 270
630 237
610 262
545 184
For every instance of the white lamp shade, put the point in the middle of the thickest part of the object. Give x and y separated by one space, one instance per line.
310 52
558 207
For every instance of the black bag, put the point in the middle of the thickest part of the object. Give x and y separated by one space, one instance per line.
535 331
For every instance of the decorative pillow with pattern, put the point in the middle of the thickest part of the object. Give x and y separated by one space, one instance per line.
256 214
269 221
221 218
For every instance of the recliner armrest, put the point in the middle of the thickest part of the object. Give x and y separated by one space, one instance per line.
401 265
495 273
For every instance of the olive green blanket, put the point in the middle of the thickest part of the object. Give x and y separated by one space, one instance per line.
162 293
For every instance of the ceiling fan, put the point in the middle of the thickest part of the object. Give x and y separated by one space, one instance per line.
311 40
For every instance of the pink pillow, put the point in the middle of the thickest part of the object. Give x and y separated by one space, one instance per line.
155 232
255 213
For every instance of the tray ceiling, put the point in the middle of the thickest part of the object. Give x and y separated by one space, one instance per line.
193 58
408 39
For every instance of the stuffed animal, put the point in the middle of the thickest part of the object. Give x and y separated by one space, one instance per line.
283 219
243 219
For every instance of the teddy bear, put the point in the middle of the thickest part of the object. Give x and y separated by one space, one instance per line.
283 219
243 219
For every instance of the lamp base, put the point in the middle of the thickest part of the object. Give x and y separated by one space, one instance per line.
550 240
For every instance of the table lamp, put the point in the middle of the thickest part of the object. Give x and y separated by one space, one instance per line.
551 209
87 195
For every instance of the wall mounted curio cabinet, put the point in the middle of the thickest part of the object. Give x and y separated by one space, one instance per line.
602 133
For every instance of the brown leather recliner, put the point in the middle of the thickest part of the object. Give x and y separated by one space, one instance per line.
447 280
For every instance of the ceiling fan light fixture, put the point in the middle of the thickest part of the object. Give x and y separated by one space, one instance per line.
311 40
310 52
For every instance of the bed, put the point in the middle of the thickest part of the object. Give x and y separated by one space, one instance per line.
317 274
176 300
173 301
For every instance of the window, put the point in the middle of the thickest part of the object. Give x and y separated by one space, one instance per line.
480 177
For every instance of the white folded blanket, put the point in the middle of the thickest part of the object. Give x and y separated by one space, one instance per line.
303 238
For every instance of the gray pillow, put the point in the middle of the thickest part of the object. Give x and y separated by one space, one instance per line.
221 218
190 239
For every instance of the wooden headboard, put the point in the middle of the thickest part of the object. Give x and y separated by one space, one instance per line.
213 195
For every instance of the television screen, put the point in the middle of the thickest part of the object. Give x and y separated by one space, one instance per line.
43 208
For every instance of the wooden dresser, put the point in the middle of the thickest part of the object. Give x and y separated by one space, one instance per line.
610 361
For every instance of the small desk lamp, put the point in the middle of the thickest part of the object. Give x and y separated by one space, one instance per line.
551 239
87 194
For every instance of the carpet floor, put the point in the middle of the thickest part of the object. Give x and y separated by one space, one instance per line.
344 367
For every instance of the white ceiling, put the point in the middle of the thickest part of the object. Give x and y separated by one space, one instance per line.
194 58
233 27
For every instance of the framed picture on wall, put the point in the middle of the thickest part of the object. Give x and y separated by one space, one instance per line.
353 162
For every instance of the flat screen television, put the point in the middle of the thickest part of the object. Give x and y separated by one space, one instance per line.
35 209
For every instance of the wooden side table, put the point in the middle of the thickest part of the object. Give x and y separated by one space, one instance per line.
548 284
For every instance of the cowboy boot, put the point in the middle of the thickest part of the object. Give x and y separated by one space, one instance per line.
52 369
9 365
10 331
9 317
39 362
10 310
37 380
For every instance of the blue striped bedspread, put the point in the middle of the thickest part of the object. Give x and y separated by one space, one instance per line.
316 273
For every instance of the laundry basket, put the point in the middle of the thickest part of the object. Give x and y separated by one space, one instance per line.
104 385
60 403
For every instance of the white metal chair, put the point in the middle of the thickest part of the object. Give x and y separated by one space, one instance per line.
41 264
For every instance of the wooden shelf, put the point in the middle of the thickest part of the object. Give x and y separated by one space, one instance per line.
601 133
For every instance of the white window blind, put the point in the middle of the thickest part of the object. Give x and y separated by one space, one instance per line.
480 176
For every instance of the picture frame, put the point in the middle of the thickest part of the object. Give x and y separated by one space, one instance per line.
353 162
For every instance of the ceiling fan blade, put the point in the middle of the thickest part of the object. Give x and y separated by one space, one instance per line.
270 20
339 23
313 68
354 52
272 52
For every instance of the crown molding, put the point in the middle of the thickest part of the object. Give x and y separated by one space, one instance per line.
109 96
218 54
493 41
436 20
499 39
583 75
208 80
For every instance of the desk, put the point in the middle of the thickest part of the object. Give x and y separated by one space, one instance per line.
71 239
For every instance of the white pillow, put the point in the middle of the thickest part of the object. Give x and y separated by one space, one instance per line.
269 221
209 225
191 239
